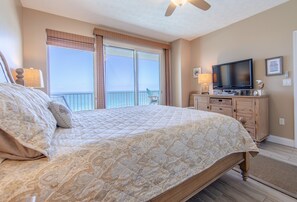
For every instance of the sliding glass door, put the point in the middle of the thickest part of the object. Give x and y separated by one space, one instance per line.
119 77
131 77
148 66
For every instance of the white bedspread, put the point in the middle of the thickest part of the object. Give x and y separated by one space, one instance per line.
128 154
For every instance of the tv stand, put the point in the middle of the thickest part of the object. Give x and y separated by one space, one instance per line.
251 111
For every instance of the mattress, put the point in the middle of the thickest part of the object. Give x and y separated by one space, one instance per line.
126 154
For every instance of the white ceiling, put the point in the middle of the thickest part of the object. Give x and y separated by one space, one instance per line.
146 17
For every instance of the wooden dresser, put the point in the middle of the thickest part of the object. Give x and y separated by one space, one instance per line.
251 111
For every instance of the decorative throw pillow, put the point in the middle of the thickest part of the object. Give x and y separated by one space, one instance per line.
24 115
62 114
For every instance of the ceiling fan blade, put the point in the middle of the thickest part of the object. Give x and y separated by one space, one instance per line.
200 4
170 9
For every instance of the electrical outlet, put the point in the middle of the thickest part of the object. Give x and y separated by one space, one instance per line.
282 121
287 82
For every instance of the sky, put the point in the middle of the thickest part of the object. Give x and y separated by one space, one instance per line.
120 70
72 70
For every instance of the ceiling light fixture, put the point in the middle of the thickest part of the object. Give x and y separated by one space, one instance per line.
201 4
179 2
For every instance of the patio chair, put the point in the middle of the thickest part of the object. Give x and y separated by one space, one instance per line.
154 99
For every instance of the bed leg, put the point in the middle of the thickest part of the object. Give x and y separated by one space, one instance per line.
245 165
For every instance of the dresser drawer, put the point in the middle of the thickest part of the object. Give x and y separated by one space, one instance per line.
246 120
202 99
221 101
222 110
203 106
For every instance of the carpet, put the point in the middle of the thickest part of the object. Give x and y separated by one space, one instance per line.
273 173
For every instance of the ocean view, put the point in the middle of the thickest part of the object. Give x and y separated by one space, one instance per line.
114 99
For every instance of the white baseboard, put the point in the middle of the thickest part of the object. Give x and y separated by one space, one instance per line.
281 140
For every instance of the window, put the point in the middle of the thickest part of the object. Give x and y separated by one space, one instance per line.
71 76
131 77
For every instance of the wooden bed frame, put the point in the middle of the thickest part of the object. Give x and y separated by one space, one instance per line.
191 186
195 184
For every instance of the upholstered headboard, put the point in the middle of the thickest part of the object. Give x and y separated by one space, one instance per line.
5 74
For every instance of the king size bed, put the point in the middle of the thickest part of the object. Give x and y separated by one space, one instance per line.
143 153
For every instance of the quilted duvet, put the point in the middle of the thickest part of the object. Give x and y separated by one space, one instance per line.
127 154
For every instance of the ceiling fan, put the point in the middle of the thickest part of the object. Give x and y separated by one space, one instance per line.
174 3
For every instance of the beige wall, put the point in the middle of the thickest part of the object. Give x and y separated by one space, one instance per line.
181 72
186 71
11 32
265 35
34 35
176 73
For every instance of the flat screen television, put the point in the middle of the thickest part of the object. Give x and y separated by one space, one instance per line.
233 75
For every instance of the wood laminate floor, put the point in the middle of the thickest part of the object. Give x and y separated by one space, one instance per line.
231 187
279 152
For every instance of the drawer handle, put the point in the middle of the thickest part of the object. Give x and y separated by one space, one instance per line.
207 107
242 120
220 100
249 131
234 110
221 109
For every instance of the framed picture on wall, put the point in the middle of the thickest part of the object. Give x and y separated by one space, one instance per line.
196 72
274 66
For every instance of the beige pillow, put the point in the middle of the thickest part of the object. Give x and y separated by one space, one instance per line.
24 115
62 114
12 149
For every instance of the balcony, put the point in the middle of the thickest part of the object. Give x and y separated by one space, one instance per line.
114 99
76 101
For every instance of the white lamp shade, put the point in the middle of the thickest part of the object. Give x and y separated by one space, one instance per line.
33 78
204 78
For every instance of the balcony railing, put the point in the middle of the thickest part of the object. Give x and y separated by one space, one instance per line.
114 99
77 101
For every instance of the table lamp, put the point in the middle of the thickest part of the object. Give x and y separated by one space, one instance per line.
204 80
29 77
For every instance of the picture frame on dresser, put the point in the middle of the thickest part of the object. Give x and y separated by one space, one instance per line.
274 66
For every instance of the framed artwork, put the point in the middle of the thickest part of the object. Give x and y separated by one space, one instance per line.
274 66
196 71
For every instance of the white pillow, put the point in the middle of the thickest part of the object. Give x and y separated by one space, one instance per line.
42 96
25 116
62 114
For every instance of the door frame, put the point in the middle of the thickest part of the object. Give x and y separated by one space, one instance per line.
295 84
